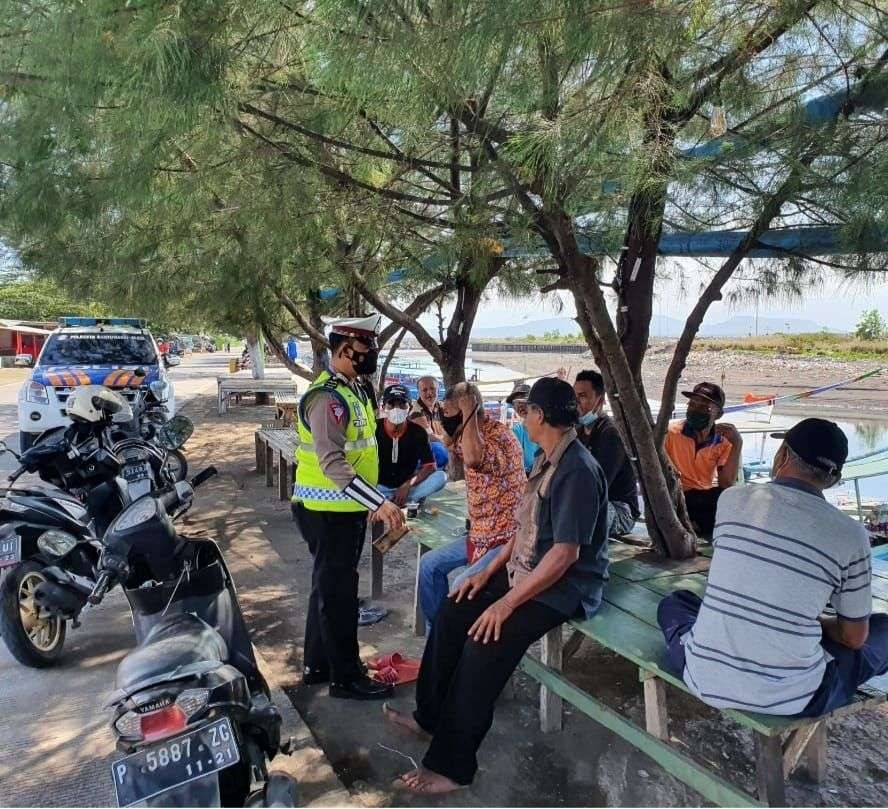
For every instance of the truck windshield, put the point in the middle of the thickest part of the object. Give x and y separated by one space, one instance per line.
98 349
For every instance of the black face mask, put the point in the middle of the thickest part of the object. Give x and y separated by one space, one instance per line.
698 420
364 363
451 423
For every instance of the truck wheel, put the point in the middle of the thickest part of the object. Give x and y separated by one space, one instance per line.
33 641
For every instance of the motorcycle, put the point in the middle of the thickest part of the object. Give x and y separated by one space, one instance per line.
192 712
44 535
50 539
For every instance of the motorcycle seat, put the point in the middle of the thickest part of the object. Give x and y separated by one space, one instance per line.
176 641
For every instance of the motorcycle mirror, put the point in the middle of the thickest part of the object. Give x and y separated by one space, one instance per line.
175 432
140 372
4 448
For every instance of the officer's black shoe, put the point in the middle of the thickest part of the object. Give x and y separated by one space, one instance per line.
314 676
361 688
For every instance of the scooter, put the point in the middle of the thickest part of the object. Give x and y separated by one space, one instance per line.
192 711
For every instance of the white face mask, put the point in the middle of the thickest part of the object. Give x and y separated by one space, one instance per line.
396 415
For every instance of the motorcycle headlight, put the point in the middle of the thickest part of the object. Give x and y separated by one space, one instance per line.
56 543
140 511
36 393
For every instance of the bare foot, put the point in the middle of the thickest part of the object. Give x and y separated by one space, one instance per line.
403 720
425 782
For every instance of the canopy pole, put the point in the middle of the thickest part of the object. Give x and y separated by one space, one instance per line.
857 495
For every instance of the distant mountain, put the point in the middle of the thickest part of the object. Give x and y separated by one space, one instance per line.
743 325
661 326
563 325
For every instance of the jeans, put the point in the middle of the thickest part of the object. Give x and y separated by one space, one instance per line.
434 568
845 673
460 679
426 488
620 519
701 505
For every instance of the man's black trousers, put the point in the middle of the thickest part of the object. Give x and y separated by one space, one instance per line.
335 540
460 679
702 504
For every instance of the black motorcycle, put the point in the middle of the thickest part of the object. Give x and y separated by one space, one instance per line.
192 711
49 549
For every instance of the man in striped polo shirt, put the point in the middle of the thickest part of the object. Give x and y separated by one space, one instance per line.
761 639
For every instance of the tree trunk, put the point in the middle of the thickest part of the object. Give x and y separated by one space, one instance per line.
319 357
668 534
257 354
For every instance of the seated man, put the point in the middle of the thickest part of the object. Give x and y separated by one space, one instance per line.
759 639
518 399
552 571
495 480
428 405
439 451
407 472
600 436
700 449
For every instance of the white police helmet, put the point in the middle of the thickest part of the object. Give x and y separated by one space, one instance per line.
93 403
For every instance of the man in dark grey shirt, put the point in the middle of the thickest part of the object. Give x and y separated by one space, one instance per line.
600 436
553 570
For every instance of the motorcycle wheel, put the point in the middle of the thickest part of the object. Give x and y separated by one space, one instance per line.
33 641
176 465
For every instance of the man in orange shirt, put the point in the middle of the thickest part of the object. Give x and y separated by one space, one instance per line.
706 455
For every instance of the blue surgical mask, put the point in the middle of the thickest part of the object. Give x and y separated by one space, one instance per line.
588 419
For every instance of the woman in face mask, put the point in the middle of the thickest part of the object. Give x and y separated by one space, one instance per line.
407 469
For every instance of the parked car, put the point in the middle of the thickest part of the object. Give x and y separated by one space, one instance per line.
90 351
23 361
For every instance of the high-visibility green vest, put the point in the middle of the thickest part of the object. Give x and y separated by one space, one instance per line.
313 488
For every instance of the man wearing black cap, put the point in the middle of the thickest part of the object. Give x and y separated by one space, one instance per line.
407 471
553 570
706 455
785 626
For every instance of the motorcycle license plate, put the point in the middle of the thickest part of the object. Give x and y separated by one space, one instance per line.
174 762
10 550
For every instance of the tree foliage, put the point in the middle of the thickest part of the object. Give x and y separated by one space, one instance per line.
43 300
871 326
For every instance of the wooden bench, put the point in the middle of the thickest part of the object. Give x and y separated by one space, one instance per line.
276 445
627 624
238 385
286 408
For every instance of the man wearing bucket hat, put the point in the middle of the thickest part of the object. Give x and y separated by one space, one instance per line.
337 471
785 626
706 455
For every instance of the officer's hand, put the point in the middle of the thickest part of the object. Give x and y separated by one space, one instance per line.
389 515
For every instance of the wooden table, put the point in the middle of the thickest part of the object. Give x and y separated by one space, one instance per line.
237 385
277 443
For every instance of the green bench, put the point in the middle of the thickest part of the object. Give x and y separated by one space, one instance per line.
627 625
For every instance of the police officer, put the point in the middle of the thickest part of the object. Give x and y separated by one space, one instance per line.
336 475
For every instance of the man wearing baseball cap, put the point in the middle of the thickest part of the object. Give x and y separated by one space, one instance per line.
785 626
553 570
706 455
518 399
407 471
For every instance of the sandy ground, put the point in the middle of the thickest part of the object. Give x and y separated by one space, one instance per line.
739 374
584 765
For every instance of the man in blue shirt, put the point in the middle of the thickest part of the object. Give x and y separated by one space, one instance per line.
518 399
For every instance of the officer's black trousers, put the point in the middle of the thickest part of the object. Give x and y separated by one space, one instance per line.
335 540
